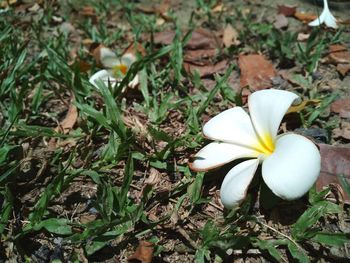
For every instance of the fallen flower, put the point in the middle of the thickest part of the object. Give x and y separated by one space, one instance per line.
290 162
116 68
325 17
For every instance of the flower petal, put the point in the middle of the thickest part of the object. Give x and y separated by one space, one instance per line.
319 20
236 182
127 59
216 154
108 58
233 126
134 82
267 108
293 167
103 75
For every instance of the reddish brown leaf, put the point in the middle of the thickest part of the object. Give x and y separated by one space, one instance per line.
206 70
287 10
135 48
69 121
230 36
200 39
305 17
256 71
88 11
343 69
155 8
200 56
143 253
342 107
339 54
335 160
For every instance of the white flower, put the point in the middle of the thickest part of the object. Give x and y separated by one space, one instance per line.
325 17
290 162
116 68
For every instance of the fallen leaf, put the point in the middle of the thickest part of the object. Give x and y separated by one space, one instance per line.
343 69
303 37
343 131
335 161
200 39
342 107
281 21
143 253
339 54
287 10
218 8
256 71
301 106
88 11
200 56
135 48
154 8
69 121
305 17
230 36
206 70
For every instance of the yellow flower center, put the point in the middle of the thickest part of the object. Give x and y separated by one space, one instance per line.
119 70
266 144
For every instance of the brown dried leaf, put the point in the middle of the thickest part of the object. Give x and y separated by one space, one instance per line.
343 69
281 21
335 160
256 72
287 10
230 36
339 54
135 48
143 253
342 107
305 17
206 70
154 8
69 121
343 131
200 56
88 11
200 39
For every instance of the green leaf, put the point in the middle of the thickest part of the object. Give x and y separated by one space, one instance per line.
310 217
55 225
6 209
331 239
344 183
297 253
270 246
194 190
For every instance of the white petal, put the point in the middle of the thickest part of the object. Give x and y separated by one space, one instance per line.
216 154
236 182
232 125
103 75
330 20
293 167
108 58
319 20
127 59
134 82
267 108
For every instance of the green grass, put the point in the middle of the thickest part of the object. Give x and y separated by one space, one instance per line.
120 137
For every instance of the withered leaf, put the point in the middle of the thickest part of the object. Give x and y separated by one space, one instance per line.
335 161
281 21
287 10
230 36
305 17
342 107
69 121
143 253
256 71
206 70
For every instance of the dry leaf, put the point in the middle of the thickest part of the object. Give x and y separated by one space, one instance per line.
155 8
88 11
143 253
281 21
135 48
301 106
343 131
303 37
342 107
230 36
69 121
287 10
335 161
339 54
206 70
218 8
343 69
256 72
200 56
200 39
305 17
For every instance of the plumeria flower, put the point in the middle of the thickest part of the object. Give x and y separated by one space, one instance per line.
290 162
325 17
115 68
